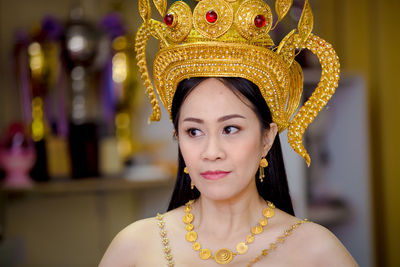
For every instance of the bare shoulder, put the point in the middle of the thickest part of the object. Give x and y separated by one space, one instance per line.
310 244
317 246
129 243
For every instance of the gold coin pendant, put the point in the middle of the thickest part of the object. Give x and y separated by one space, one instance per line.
205 254
223 256
263 221
196 246
250 239
191 236
268 212
242 248
189 227
188 218
257 229
187 209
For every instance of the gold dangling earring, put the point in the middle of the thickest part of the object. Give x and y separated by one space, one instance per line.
185 170
263 164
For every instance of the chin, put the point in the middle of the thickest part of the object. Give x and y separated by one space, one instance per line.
219 193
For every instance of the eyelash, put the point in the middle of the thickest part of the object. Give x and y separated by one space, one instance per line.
232 126
190 130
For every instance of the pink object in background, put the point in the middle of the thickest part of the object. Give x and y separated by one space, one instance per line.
17 156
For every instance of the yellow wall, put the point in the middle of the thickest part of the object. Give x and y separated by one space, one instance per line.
388 86
365 33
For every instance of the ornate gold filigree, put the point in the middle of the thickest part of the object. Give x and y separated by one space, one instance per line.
326 87
142 37
286 48
224 21
145 9
245 16
256 64
233 46
183 22
282 7
306 22
161 6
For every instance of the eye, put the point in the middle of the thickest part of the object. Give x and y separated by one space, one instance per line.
231 129
193 132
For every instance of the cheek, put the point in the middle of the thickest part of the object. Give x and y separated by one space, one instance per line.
248 154
189 152
250 144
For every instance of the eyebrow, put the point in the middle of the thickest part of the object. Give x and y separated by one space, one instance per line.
223 118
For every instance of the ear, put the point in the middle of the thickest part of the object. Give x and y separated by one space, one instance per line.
269 137
175 135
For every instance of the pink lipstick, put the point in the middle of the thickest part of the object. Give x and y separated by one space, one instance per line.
214 175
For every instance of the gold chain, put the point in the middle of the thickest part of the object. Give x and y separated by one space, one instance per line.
275 244
165 240
224 255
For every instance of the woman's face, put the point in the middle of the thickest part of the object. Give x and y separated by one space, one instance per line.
221 140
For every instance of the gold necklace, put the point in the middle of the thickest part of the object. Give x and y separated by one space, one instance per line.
224 255
279 240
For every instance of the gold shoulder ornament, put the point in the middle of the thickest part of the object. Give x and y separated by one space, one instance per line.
230 38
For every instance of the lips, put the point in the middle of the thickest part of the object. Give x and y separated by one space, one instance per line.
214 175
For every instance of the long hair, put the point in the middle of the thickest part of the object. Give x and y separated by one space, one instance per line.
275 187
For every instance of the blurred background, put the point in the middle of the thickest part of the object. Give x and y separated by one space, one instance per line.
78 161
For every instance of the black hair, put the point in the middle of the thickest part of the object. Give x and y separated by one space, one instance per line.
275 186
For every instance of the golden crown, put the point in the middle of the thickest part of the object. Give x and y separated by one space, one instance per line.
229 38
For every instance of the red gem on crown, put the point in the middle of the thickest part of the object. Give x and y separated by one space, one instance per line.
169 19
259 21
211 16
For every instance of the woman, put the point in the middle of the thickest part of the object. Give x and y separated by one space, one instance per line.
222 140
229 91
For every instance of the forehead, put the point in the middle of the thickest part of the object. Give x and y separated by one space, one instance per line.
212 98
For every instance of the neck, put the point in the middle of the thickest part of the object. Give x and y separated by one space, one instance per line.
222 218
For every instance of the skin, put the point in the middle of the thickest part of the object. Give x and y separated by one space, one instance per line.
223 133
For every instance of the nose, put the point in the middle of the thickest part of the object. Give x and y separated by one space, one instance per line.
213 149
